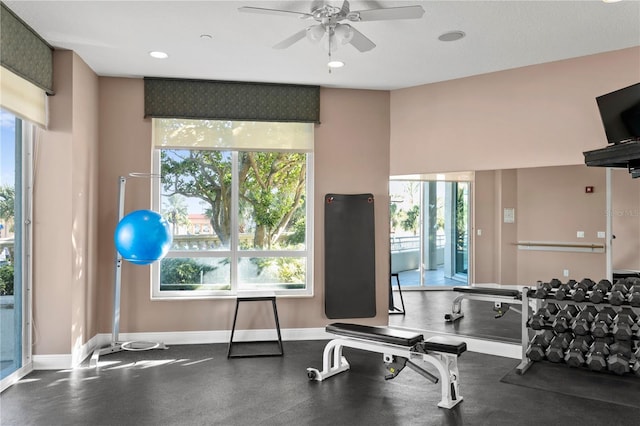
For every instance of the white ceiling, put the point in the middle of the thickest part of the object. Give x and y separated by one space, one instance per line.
114 38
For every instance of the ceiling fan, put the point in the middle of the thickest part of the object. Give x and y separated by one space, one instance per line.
329 20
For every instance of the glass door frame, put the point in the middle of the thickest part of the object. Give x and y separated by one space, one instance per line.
25 134
455 178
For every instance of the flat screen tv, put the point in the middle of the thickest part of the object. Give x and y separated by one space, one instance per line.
620 113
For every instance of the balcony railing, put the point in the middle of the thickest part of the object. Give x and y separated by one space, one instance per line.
412 242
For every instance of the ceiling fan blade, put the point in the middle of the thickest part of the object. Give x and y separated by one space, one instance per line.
291 39
406 12
344 10
361 42
262 10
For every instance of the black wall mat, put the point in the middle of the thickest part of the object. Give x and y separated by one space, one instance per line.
349 251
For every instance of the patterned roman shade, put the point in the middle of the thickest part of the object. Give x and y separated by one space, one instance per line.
230 100
24 52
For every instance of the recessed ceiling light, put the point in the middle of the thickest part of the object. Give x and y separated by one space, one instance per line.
206 36
158 55
335 64
452 36
611 1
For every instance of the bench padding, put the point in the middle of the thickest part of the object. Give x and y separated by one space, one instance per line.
444 344
377 334
488 291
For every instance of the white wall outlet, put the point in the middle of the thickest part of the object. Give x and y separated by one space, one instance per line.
565 273
479 232
580 234
602 234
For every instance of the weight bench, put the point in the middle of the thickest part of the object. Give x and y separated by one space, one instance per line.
496 295
400 349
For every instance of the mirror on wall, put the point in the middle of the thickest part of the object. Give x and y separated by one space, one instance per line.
451 230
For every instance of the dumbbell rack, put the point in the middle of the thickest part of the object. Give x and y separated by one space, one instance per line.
550 299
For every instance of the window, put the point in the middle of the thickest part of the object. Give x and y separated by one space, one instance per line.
237 197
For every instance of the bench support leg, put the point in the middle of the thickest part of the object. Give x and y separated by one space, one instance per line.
456 310
446 364
332 362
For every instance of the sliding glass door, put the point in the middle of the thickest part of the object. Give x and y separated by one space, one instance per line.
15 169
430 232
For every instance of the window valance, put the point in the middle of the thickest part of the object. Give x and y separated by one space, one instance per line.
24 52
230 100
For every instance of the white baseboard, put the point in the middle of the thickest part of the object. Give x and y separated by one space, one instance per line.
52 362
222 336
67 361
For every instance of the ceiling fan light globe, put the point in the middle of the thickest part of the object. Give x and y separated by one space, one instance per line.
315 33
344 33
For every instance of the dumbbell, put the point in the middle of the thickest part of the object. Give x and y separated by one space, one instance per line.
578 348
633 297
597 356
580 290
636 366
539 344
558 346
599 291
552 308
562 321
555 283
631 281
618 293
601 325
619 358
542 316
542 290
564 290
624 325
581 324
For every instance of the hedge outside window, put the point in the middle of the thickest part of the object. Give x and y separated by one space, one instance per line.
237 196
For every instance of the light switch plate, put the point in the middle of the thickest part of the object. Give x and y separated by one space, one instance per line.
509 215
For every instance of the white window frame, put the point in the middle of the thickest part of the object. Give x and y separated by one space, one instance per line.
234 253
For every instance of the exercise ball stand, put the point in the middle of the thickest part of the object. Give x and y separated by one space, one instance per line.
116 345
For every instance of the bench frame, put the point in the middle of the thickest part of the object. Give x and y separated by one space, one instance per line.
501 301
446 364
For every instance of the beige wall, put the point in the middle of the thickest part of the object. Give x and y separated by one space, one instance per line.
348 159
552 207
625 218
484 213
540 115
506 185
65 213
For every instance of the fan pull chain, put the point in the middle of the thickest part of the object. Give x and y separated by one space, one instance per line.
329 67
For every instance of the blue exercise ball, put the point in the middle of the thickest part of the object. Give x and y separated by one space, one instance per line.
142 237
